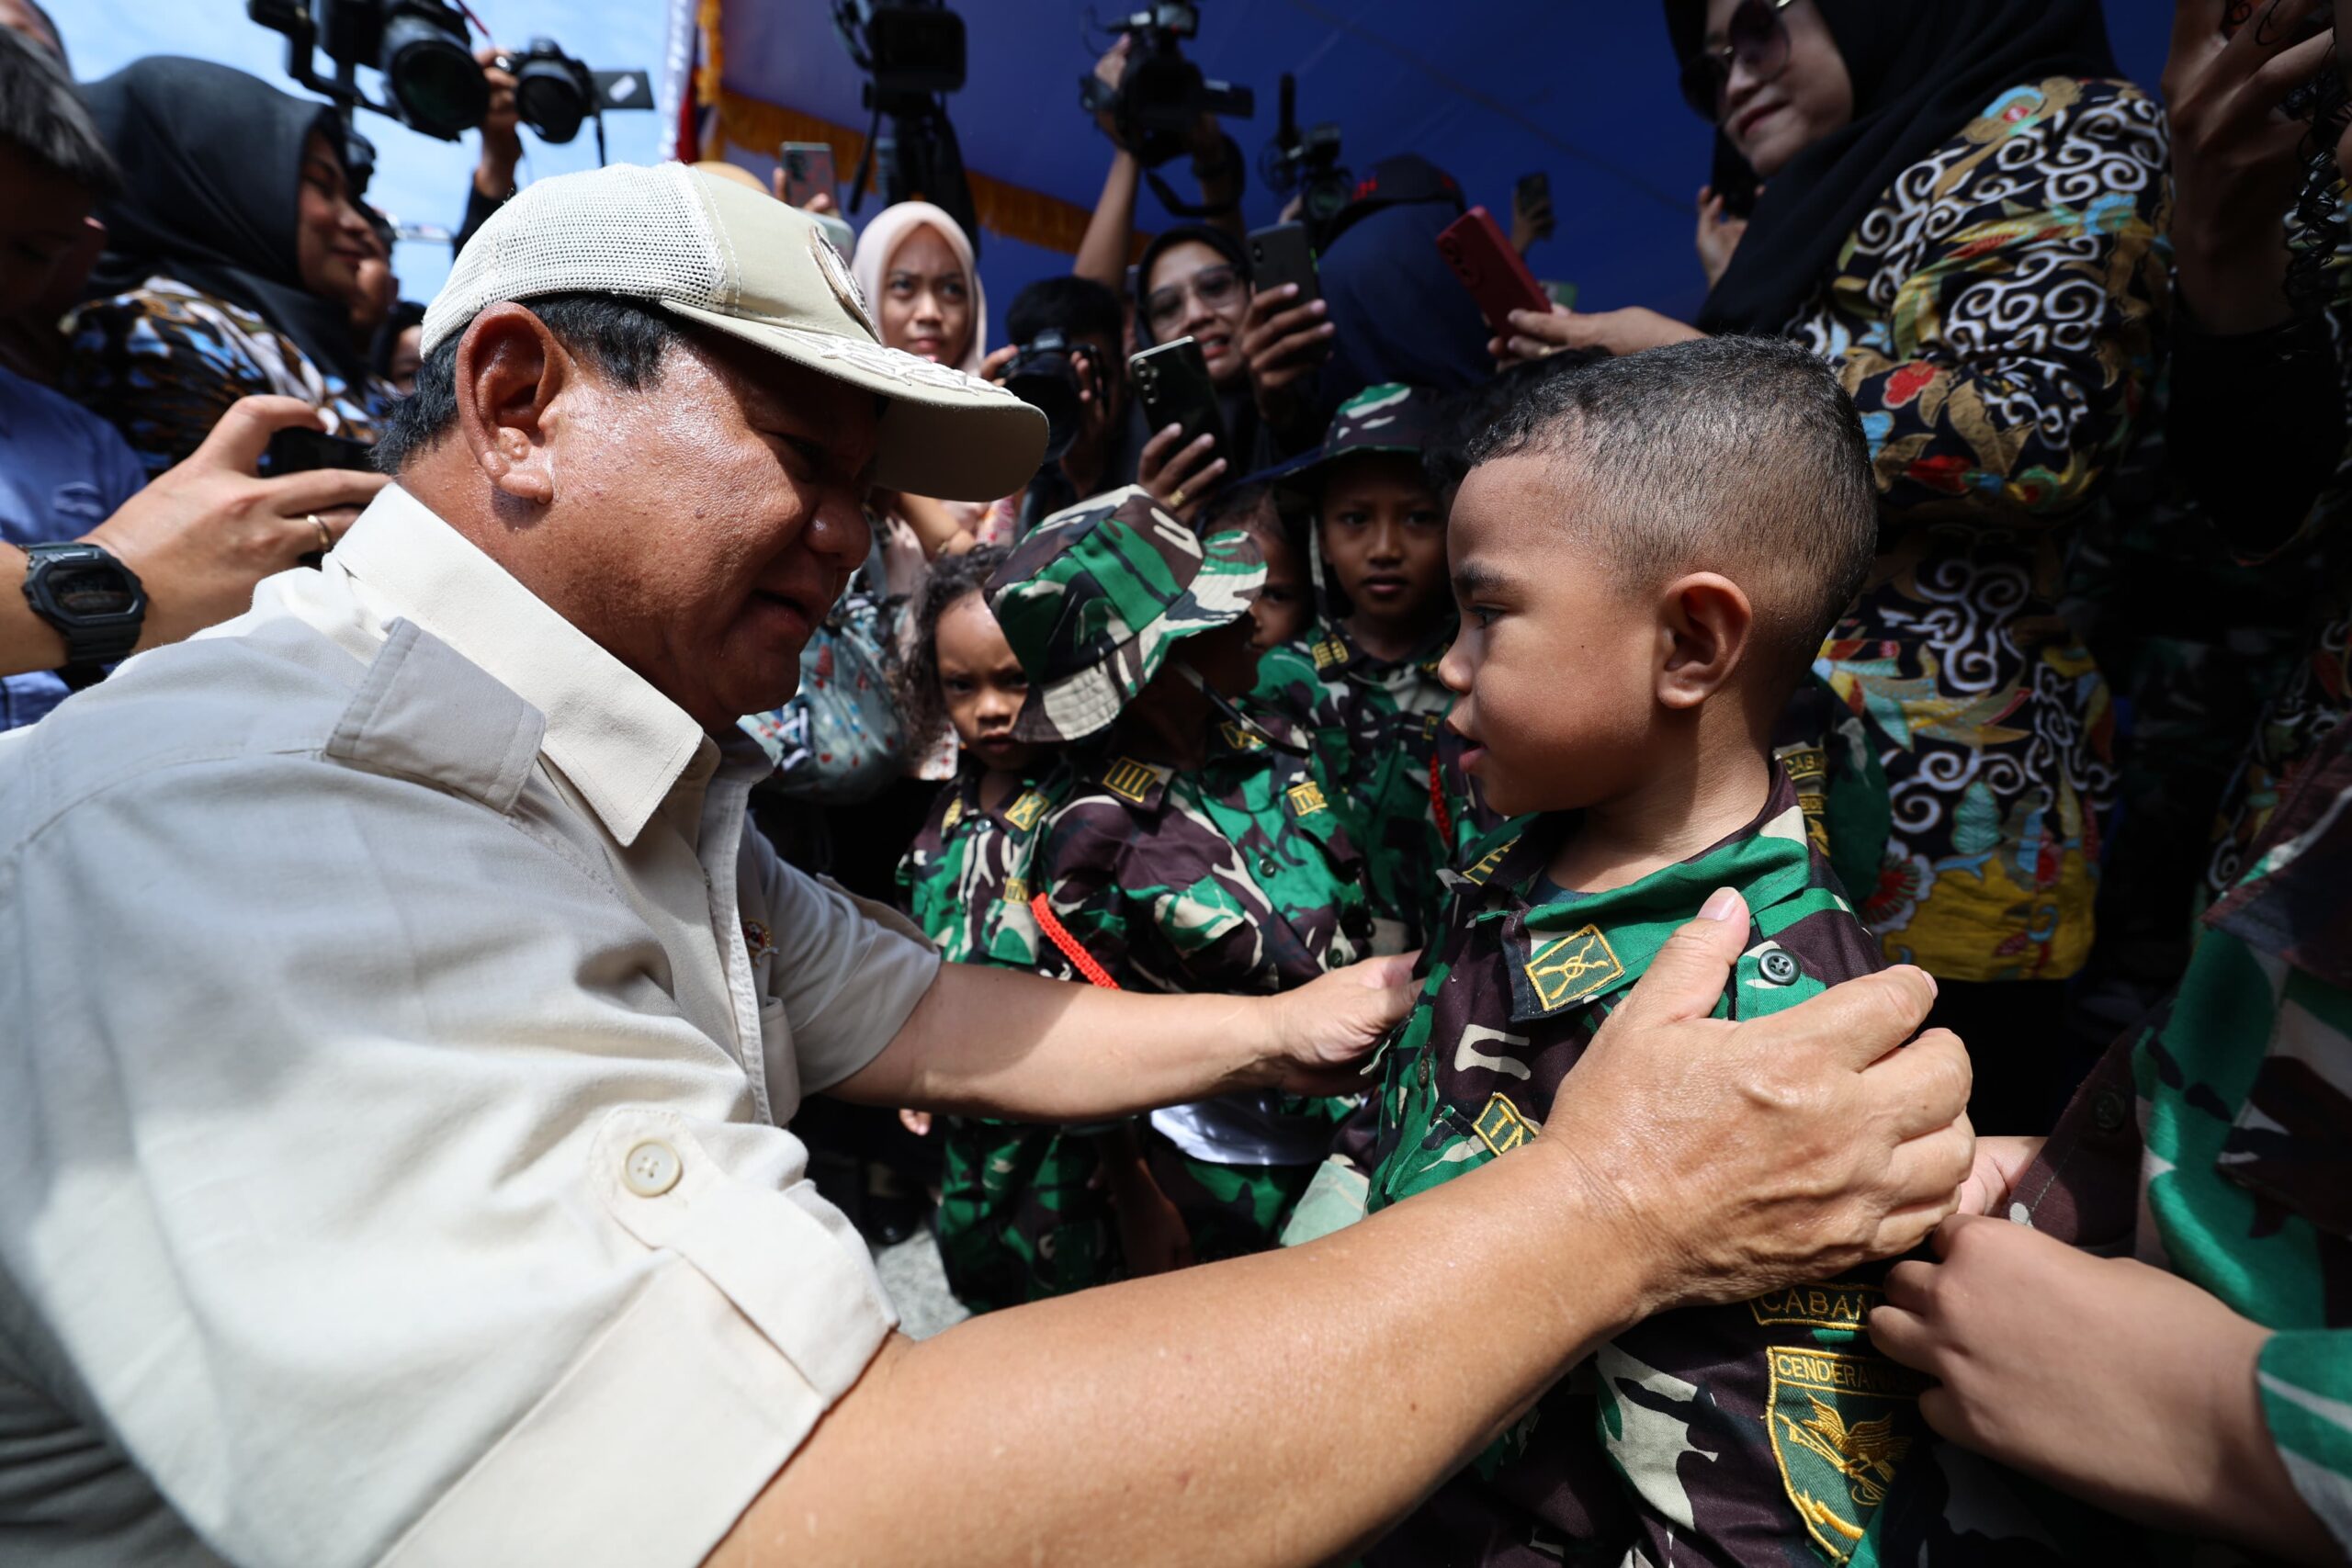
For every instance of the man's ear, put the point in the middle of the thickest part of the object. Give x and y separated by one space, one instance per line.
510 370
1705 623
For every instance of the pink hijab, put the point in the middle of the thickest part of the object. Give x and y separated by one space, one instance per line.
880 242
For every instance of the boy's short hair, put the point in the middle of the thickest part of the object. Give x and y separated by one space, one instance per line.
1075 307
1739 453
43 117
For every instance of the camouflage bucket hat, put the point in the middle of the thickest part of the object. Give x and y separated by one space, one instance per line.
1391 417
1092 599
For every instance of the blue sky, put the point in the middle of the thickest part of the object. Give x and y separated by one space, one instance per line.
418 179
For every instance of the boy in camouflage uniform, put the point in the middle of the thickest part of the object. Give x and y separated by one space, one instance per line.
1193 848
1383 619
1647 555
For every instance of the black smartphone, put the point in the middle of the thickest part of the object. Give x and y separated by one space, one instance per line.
1282 254
1733 179
1172 383
1533 192
296 450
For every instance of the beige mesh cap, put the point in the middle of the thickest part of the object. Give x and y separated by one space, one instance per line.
740 262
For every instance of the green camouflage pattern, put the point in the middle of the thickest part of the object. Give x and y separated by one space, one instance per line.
1765 1431
1390 417
1022 1209
2215 1140
1094 597
1239 877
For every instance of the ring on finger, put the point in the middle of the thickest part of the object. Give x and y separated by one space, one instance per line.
1176 496
326 534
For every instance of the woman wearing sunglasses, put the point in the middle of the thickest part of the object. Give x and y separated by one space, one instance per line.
1961 208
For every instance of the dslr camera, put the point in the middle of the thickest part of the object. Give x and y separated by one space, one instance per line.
433 82
1160 93
1046 374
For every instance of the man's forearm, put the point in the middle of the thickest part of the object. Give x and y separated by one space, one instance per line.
27 642
1007 1044
1255 1404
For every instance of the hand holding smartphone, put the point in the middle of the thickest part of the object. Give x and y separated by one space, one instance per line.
1281 255
1482 257
807 169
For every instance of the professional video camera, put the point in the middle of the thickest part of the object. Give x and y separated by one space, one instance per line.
1306 163
1044 373
1161 93
432 81
912 54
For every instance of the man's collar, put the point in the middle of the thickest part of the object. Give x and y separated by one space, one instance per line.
619 742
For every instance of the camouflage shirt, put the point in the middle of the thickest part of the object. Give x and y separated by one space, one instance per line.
2215 1140
1765 1432
965 878
1392 711
1239 877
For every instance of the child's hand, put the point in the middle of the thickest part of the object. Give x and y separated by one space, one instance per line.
1324 1028
2119 1382
1152 1235
915 1122
1993 1176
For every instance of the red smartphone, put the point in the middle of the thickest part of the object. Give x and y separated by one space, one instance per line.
1482 257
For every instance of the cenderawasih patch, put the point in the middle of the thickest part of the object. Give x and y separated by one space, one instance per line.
1573 966
1842 1424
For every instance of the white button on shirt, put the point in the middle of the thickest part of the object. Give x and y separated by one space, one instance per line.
401 1025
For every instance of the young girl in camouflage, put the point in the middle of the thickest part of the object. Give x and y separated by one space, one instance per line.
1195 848
1022 1209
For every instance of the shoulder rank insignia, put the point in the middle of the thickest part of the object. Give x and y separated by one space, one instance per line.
953 815
1023 813
1241 737
1328 652
1306 799
1487 862
1129 780
1841 1425
1571 966
1501 1127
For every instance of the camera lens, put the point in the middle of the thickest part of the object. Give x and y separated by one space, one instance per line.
435 81
1042 376
547 95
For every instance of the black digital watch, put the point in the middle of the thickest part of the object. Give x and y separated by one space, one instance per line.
93 600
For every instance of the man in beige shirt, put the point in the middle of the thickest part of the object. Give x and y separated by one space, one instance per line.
404 1034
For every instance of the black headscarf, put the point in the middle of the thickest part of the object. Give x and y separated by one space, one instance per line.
212 171
1921 70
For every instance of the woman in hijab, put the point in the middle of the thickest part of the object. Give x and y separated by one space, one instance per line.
234 261
1960 208
914 264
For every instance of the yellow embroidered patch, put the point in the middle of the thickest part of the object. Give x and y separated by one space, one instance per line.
1328 652
1571 966
1016 890
1241 737
1808 771
1841 1425
953 815
1129 780
1486 864
1501 1126
1023 813
1306 799
1829 1304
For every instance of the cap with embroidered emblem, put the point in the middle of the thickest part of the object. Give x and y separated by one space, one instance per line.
738 261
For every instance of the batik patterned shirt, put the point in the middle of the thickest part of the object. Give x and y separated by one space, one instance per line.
1768 1431
162 363
1996 319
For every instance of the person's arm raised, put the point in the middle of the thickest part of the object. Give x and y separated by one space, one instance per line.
1222 1412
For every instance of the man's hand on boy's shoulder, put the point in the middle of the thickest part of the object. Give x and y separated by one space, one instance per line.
1743 1156
1324 1029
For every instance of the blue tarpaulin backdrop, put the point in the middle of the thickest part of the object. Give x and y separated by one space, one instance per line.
1489 89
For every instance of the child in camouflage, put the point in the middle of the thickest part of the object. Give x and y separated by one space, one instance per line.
1024 1210
1646 553
1195 848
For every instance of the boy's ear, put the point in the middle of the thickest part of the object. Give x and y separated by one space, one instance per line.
1704 624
